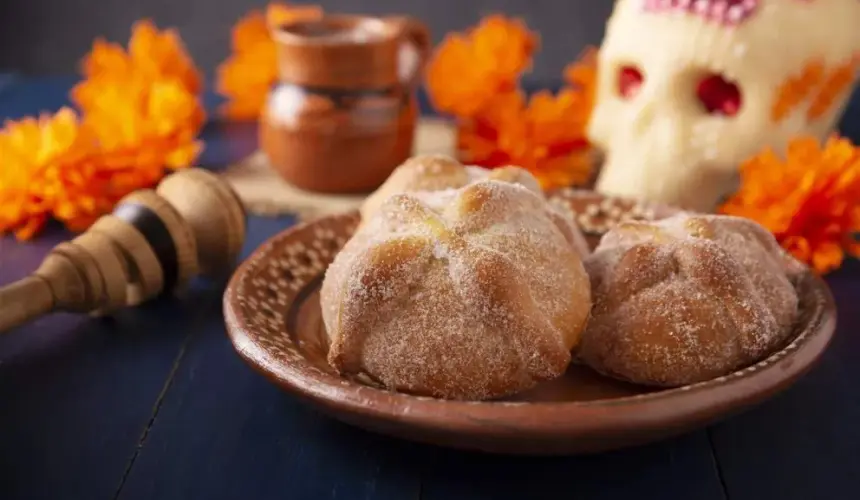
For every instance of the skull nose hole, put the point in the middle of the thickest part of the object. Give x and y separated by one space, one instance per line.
630 81
719 96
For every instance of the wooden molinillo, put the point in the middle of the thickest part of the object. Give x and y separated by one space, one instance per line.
152 244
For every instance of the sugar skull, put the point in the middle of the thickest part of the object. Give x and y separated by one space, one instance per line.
689 89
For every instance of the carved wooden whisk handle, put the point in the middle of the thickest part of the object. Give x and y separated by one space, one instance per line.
24 301
153 243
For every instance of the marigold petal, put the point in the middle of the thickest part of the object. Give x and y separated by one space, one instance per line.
544 133
31 227
827 257
467 70
810 199
140 114
246 77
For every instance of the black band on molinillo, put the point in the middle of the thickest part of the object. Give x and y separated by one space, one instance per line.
157 235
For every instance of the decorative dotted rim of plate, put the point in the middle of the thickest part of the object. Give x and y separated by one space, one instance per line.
287 265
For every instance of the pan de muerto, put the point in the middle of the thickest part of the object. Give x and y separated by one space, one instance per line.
687 299
471 293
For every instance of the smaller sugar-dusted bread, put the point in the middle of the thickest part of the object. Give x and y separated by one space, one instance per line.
686 299
469 293
433 173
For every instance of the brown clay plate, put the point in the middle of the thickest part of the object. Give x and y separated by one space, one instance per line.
273 319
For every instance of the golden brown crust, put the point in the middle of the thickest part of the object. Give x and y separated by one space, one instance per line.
687 299
431 173
466 294
420 173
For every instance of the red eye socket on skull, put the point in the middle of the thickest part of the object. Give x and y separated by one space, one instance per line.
629 81
719 96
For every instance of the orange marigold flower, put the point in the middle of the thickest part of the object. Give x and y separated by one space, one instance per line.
140 116
247 76
810 200
47 172
142 106
152 55
146 127
475 77
467 70
490 140
544 134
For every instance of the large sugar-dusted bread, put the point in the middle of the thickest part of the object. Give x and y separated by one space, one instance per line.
469 293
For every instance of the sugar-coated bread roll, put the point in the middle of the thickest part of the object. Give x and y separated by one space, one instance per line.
687 299
420 173
440 173
471 293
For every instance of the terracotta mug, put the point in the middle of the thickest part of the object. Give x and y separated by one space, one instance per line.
343 115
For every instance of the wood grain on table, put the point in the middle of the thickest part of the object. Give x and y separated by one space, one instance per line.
155 404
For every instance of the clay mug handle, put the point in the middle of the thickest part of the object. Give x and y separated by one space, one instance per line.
416 34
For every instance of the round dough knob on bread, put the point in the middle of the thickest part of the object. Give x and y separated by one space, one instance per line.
469 293
431 173
419 173
687 299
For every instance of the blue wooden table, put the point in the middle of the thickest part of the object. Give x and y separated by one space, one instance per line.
153 404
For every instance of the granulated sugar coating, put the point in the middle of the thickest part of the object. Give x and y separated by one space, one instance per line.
469 293
431 173
687 299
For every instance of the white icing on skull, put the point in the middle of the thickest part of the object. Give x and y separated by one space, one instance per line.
689 89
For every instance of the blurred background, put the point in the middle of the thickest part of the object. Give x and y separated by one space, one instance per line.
49 37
